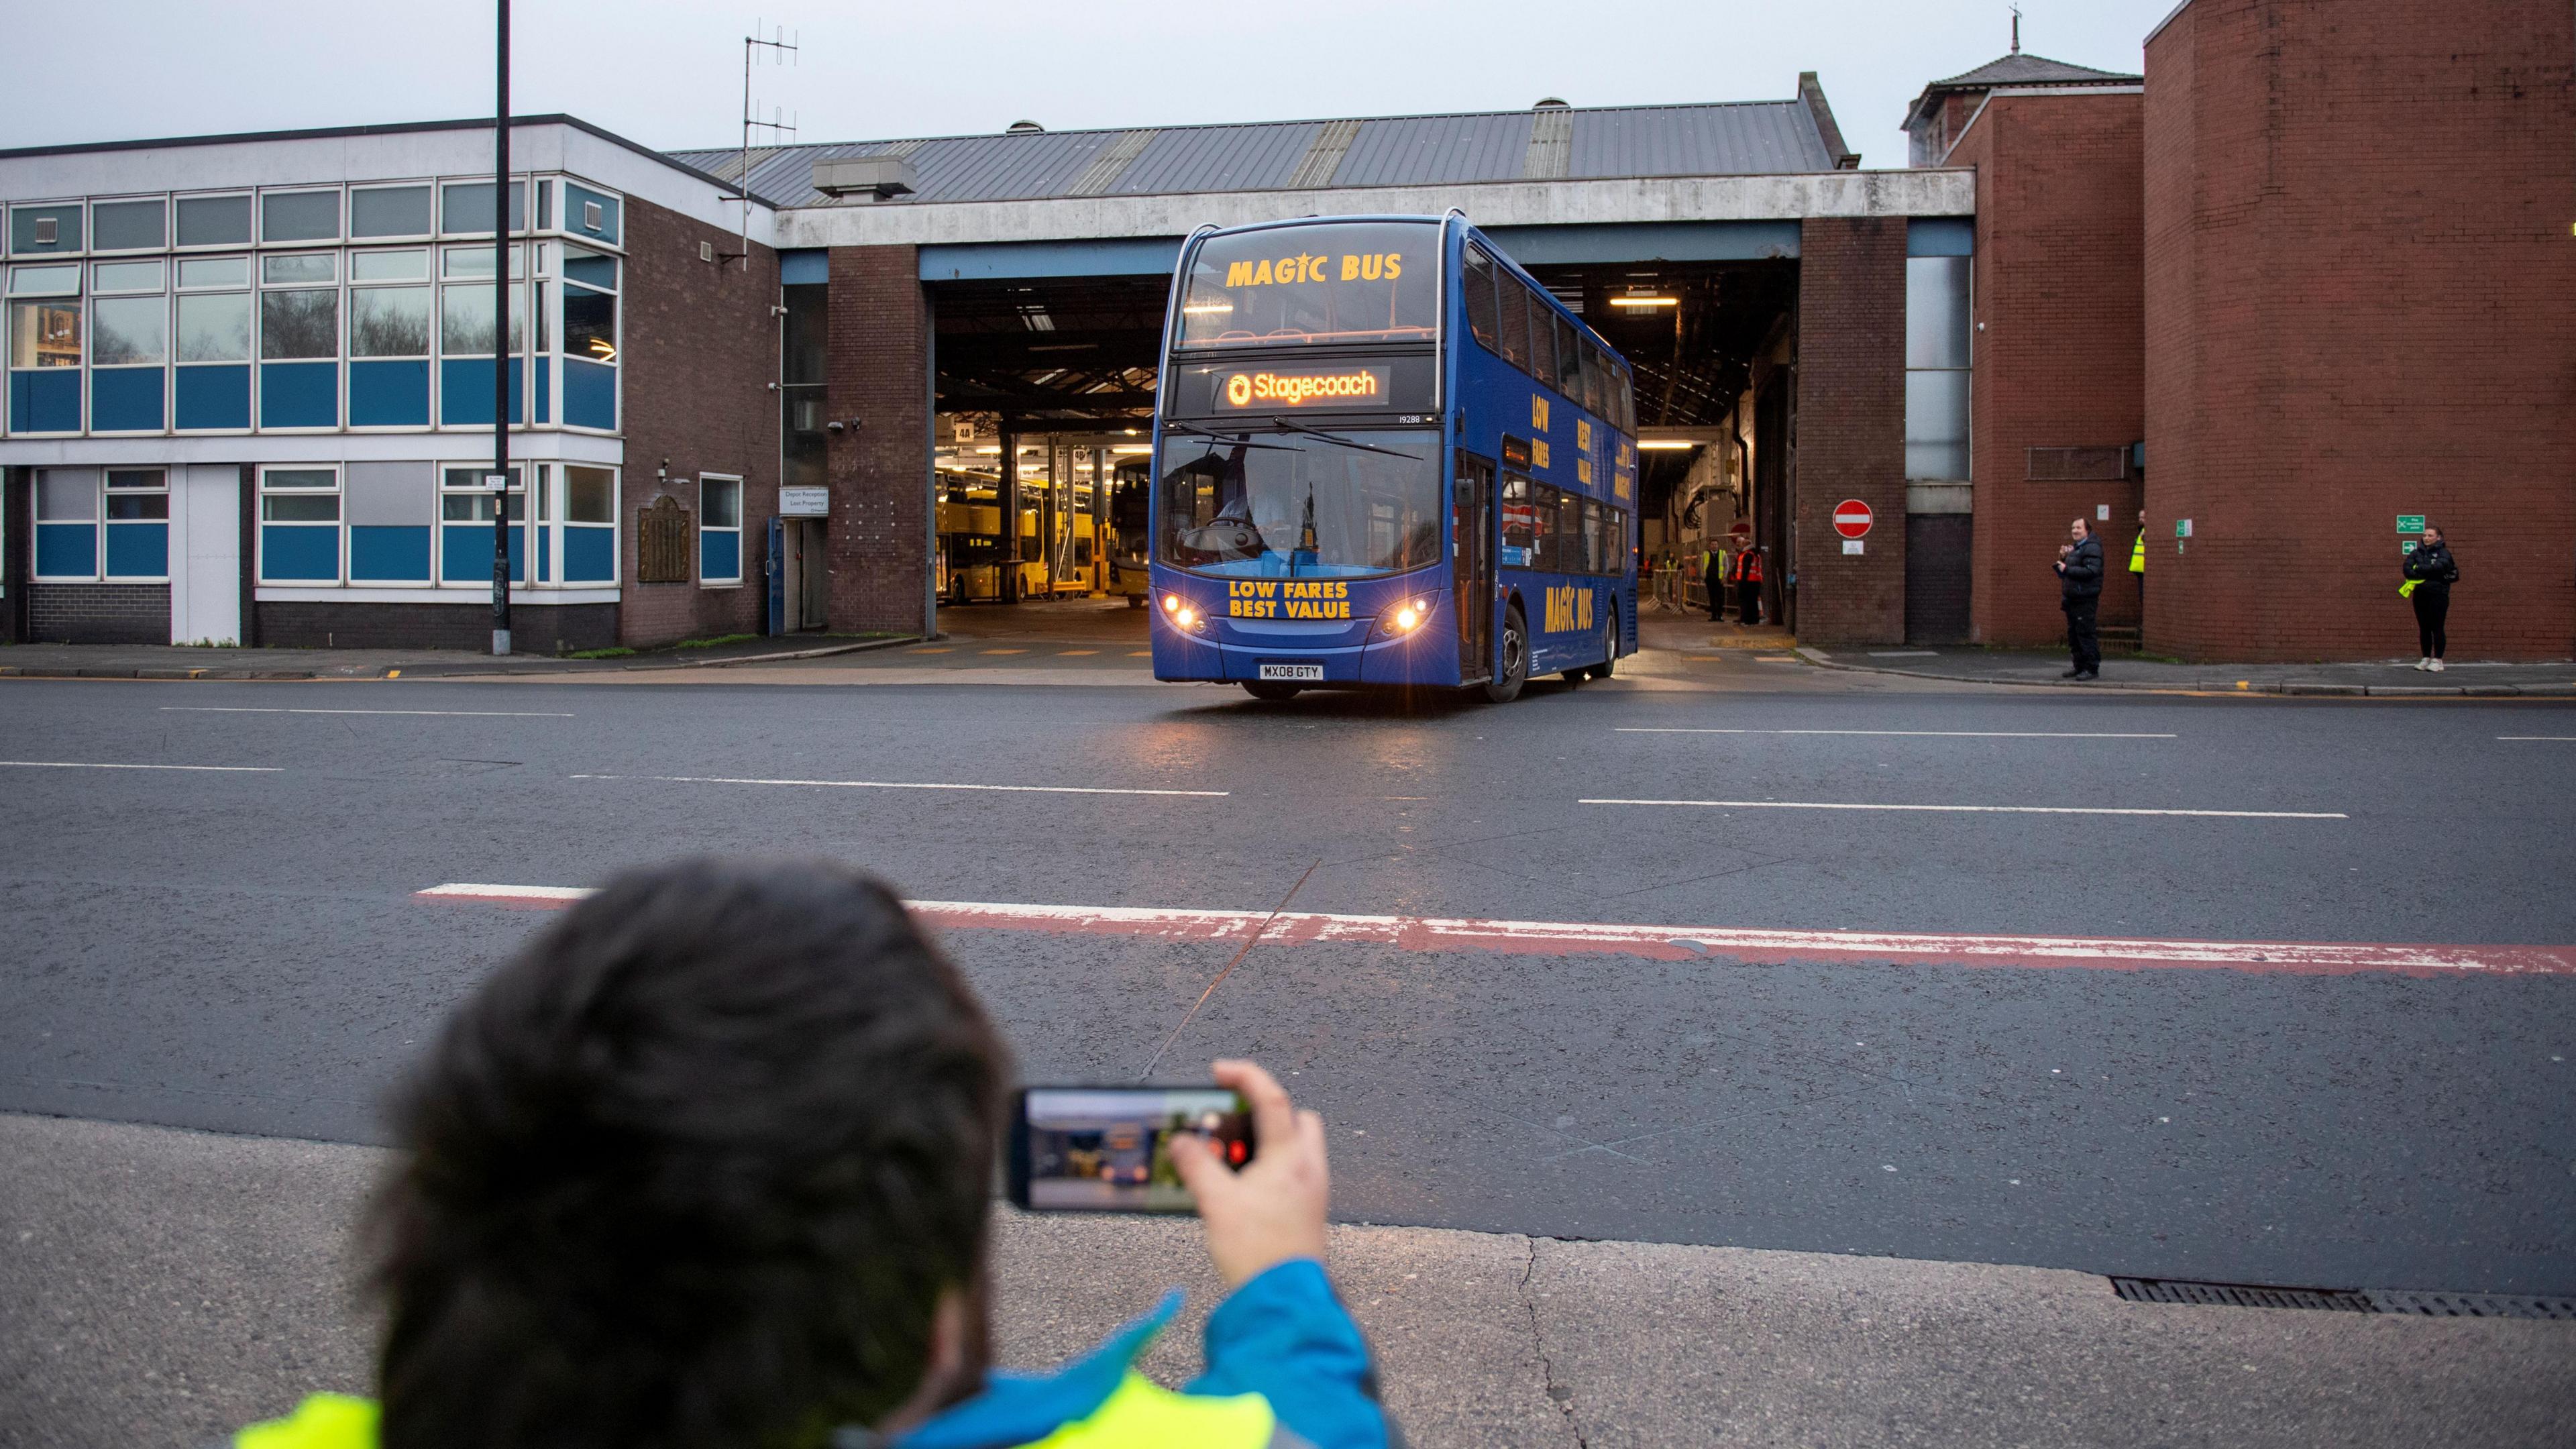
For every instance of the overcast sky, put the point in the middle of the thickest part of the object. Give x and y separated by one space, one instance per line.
668 73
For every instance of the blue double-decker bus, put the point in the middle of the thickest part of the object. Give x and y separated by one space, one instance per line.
1385 456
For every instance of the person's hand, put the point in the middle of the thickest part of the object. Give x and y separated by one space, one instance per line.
1272 1210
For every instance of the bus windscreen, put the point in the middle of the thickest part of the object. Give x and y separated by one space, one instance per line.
1302 285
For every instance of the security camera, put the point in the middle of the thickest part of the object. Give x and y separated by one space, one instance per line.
833 427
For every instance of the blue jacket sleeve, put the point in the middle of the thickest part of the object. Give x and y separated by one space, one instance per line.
1286 1337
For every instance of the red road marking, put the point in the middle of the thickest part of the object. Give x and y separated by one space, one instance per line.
1682 943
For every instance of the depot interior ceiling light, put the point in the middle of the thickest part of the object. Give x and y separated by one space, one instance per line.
1664 445
1643 299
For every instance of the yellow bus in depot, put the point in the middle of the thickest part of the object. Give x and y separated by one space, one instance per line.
1130 572
1054 550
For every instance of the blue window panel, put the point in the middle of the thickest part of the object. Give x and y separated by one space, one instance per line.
576 217
807 266
380 553
66 550
590 555
389 394
545 550
465 553
719 555
590 394
299 394
465 393
545 390
138 550
300 552
125 399
214 396
45 401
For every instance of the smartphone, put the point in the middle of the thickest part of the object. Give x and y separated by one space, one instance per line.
1107 1149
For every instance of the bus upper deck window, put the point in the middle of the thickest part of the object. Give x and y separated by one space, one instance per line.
1514 320
1478 282
1328 282
1569 362
1542 326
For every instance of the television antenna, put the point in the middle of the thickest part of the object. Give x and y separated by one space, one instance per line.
783 53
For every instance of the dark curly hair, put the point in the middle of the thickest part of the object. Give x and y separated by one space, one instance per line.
694 1169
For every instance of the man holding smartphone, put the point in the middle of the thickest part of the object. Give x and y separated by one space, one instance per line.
710 1164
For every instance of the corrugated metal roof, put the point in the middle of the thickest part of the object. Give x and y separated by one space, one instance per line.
1416 149
1720 139
1217 158
1759 137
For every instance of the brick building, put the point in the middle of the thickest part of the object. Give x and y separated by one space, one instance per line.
2306 279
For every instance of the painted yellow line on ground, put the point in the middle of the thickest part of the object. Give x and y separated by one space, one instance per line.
1003 651
1925 734
906 785
85 765
1071 652
1983 809
459 713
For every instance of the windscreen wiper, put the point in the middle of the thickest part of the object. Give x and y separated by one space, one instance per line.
1294 426
1236 440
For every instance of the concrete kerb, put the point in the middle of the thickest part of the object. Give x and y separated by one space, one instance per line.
173 1285
2292 688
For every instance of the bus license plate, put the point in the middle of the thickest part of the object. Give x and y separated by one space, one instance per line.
1313 673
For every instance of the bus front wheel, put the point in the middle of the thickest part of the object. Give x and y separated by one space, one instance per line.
1269 689
1512 669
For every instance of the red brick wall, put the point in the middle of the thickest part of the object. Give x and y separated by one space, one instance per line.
879 363
2361 301
1850 427
701 349
2060 363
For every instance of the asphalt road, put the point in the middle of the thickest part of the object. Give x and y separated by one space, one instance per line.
241 948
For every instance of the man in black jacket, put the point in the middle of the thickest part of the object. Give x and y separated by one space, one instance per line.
2079 586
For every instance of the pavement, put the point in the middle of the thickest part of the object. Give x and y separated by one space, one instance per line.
188 662
131 1323
2377 679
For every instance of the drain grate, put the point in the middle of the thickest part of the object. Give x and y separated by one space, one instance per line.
2343 1300
2238 1295
2472 1305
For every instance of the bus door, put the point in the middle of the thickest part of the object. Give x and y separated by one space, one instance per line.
1471 549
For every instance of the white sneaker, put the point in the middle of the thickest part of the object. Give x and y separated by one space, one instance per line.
2424 663
2437 666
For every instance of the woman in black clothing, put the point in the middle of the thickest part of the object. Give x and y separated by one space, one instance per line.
2430 569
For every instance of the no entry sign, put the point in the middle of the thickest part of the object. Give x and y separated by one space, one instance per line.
1852 518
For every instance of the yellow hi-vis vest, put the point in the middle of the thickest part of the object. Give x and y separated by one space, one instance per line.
1138 1414
2138 554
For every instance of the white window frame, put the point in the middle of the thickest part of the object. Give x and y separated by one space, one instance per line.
339 526
246 244
527 215
108 491
519 480
9 227
78 298
97 526
169 225
259 219
561 294
350 288
526 257
248 289
558 519
349 213
339 360
740 562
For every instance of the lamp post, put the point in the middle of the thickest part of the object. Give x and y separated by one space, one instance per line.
501 344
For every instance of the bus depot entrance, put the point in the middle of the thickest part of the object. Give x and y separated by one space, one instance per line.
1042 439
1045 386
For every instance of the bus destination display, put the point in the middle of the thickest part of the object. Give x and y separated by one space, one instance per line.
1348 387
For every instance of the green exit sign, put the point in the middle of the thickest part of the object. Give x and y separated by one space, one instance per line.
2410 523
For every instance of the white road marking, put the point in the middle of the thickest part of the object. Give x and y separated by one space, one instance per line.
1933 734
460 713
907 785
83 765
459 891
1674 943
1905 654
1985 809
2562 738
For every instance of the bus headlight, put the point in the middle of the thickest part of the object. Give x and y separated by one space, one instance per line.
1405 618
1171 603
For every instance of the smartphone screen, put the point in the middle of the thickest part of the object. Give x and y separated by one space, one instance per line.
1108 1149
